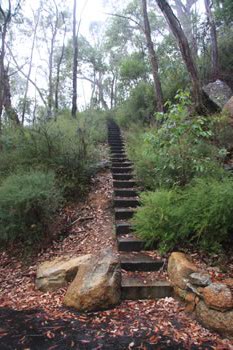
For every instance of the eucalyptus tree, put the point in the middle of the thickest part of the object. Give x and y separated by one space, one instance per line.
185 50
153 59
7 13
214 41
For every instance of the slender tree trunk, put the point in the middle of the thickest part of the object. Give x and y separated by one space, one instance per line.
2 55
58 73
184 14
29 69
75 64
153 59
178 32
214 41
10 111
112 91
101 93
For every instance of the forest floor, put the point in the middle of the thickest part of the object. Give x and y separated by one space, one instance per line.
30 319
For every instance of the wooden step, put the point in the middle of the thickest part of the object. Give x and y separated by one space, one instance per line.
139 262
124 192
126 202
131 244
117 152
117 148
124 214
122 176
122 170
123 228
122 164
124 183
135 289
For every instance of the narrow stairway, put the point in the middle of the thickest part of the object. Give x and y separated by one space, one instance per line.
132 250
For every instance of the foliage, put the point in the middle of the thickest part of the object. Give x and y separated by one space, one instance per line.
67 148
27 202
139 107
133 68
177 150
201 213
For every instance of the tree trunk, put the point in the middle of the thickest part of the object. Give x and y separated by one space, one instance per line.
58 73
214 42
112 91
10 111
101 93
29 69
153 59
178 32
184 14
75 64
2 55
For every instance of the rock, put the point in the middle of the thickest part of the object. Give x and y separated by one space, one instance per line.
200 279
55 274
218 321
228 282
228 107
179 269
97 285
189 297
218 296
218 92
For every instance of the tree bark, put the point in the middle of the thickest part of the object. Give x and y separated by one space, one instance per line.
178 32
184 14
214 41
153 59
58 73
29 69
75 64
10 111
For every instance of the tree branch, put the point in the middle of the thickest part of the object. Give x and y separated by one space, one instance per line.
25 75
128 18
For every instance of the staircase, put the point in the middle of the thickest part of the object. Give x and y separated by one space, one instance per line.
133 256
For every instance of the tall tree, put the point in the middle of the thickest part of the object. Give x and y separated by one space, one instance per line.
214 41
5 93
75 62
185 14
36 23
153 58
185 50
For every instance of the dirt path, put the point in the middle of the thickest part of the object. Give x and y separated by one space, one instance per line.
30 319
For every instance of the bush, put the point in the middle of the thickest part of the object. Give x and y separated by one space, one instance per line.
68 147
27 203
177 151
139 107
201 213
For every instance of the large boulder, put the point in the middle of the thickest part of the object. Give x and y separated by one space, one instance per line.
55 274
179 269
221 322
218 92
218 296
97 284
228 108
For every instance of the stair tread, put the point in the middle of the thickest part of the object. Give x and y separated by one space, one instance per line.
130 238
122 210
130 281
139 257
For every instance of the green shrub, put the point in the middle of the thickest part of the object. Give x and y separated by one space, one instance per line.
68 147
139 107
201 213
177 151
27 203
